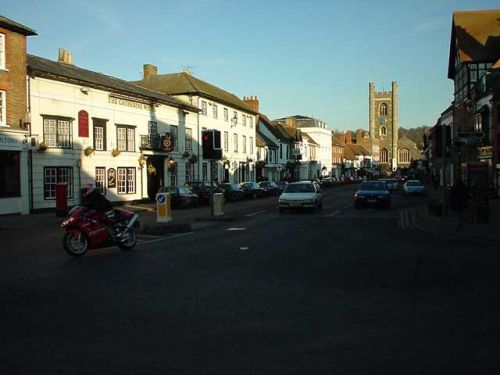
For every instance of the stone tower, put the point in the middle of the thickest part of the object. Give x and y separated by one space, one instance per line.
383 122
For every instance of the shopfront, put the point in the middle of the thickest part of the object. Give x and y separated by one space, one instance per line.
13 173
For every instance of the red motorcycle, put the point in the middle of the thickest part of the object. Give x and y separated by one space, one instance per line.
85 229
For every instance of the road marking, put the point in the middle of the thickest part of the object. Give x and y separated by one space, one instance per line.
256 213
333 214
244 248
346 207
142 208
236 229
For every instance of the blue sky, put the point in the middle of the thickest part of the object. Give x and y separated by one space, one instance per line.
313 58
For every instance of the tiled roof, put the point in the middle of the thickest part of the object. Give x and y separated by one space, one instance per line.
186 84
353 150
264 141
476 35
337 142
272 128
16 26
39 66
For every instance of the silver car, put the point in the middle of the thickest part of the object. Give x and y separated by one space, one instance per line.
413 187
299 195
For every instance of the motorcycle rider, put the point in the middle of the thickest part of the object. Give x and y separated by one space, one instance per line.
94 200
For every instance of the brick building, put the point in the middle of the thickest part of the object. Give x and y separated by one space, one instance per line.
14 118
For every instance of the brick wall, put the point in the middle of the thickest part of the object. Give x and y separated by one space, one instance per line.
13 79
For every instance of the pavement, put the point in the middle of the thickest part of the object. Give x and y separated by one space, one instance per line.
419 218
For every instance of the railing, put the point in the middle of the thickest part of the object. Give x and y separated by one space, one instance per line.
150 142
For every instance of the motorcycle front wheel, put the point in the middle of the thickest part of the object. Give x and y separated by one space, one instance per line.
75 243
129 240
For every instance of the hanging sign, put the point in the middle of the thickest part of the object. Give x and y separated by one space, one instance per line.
111 178
167 143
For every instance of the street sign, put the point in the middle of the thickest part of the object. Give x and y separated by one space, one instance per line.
163 209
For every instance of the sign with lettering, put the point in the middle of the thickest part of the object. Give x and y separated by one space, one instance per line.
111 178
130 103
83 124
10 142
485 152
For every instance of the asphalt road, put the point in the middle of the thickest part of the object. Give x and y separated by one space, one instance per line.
342 291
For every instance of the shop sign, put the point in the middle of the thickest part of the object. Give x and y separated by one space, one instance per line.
9 142
167 143
485 152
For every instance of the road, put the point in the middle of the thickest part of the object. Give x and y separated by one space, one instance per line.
342 291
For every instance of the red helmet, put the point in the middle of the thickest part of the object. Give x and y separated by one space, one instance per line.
87 189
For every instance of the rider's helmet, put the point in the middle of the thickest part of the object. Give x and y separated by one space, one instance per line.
87 189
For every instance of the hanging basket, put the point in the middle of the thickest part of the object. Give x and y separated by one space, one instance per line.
42 146
88 151
115 152
185 154
193 159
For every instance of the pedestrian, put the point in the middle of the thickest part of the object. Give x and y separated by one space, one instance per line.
458 200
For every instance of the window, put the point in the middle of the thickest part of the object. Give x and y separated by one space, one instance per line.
100 178
99 134
404 155
235 118
383 130
251 145
244 119
10 185
53 175
204 172
174 131
478 125
235 142
188 177
226 114
2 51
250 121
226 141
172 172
57 132
3 109
125 138
126 180
384 155
203 107
189 139
215 111
383 109
281 151
244 140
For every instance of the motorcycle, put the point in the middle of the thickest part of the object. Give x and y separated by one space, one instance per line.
84 229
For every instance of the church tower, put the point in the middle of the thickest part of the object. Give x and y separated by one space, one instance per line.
383 123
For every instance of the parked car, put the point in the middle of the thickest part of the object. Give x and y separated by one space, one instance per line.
232 192
326 182
372 193
181 196
392 183
202 189
252 190
299 195
269 187
413 187
281 186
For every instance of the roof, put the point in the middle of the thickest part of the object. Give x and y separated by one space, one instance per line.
186 84
38 66
309 139
337 142
262 141
475 36
16 26
353 150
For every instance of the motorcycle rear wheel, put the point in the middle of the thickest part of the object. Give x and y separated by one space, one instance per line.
75 246
129 240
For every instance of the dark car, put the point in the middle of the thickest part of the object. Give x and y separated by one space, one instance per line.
252 190
181 196
232 192
326 182
203 188
269 187
281 186
372 193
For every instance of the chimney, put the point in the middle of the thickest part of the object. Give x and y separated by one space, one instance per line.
150 70
348 138
252 102
359 135
65 57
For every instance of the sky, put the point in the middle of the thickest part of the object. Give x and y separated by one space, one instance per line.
313 58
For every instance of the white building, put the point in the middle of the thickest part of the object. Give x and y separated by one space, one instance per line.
96 128
219 110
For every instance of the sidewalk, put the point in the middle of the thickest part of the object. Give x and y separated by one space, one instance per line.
447 225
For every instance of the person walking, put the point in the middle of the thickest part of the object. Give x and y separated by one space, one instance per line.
458 200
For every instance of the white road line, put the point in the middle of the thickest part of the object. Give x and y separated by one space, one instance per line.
333 214
346 207
256 213
236 229
244 248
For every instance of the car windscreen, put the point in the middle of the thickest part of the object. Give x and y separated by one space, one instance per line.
373 186
184 190
300 188
413 183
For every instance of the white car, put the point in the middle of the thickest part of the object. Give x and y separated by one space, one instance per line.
298 195
413 187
